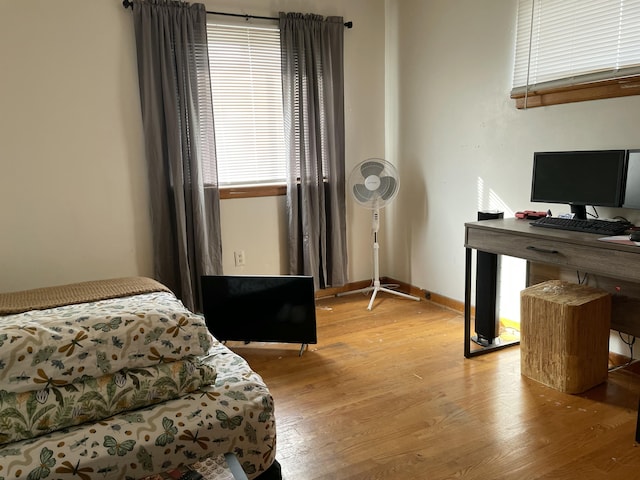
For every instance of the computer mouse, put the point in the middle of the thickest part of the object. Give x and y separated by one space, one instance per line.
634 236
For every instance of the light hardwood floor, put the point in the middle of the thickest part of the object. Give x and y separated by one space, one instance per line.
388 394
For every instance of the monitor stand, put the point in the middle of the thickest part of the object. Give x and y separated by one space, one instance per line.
579 211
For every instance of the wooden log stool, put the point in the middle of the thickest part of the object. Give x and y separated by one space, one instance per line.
564 335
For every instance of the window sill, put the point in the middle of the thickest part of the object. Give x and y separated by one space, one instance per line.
621 87
251 191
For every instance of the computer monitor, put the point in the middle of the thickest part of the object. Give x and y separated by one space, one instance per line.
579 178
632 188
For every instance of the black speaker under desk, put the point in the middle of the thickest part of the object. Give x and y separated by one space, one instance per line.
487 321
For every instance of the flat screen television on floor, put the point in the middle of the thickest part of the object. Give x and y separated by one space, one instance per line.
260 308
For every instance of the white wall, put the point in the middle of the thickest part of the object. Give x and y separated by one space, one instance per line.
73 188
73 193
258 228
461 143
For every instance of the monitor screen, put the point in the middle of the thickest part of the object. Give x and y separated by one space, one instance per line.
594 178
260 308
632 189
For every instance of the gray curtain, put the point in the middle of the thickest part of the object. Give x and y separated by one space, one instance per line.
175 94
313 93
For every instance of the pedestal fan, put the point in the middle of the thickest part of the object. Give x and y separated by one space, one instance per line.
374 183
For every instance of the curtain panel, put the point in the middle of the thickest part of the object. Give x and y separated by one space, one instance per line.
175 96
313 97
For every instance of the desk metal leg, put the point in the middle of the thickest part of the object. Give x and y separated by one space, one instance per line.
467 303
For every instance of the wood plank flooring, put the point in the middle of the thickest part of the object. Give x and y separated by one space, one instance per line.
388 394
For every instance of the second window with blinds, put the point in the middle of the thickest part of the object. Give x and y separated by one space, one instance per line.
246 83
576 50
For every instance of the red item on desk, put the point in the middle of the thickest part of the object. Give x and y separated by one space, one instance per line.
531 214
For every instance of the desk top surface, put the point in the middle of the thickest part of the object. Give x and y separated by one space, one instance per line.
522 227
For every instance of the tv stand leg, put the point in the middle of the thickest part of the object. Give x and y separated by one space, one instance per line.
302 349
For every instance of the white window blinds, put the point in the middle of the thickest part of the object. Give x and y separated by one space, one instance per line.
569 42
246 83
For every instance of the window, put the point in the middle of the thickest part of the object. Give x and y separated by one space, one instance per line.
246 83
575 50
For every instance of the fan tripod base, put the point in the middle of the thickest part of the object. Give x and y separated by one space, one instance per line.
377 287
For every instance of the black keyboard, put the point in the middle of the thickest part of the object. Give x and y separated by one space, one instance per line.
601 227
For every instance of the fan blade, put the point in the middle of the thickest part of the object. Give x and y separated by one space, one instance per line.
387 187
371 168
362 193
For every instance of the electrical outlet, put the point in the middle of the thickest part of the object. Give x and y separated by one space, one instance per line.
239 256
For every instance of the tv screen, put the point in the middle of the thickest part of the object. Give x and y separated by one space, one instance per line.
582 178
260 308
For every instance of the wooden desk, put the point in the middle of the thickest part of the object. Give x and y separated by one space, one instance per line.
575 250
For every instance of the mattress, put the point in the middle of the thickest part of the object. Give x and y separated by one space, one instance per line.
122 388
234 415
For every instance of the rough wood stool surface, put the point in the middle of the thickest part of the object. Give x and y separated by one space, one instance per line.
564 337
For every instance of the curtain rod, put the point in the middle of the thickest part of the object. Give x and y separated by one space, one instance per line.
129 4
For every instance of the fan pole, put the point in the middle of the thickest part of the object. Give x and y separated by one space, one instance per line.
377 287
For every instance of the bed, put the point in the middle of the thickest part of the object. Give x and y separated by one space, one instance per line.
116 379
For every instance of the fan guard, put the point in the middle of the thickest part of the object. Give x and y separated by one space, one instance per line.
374 183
